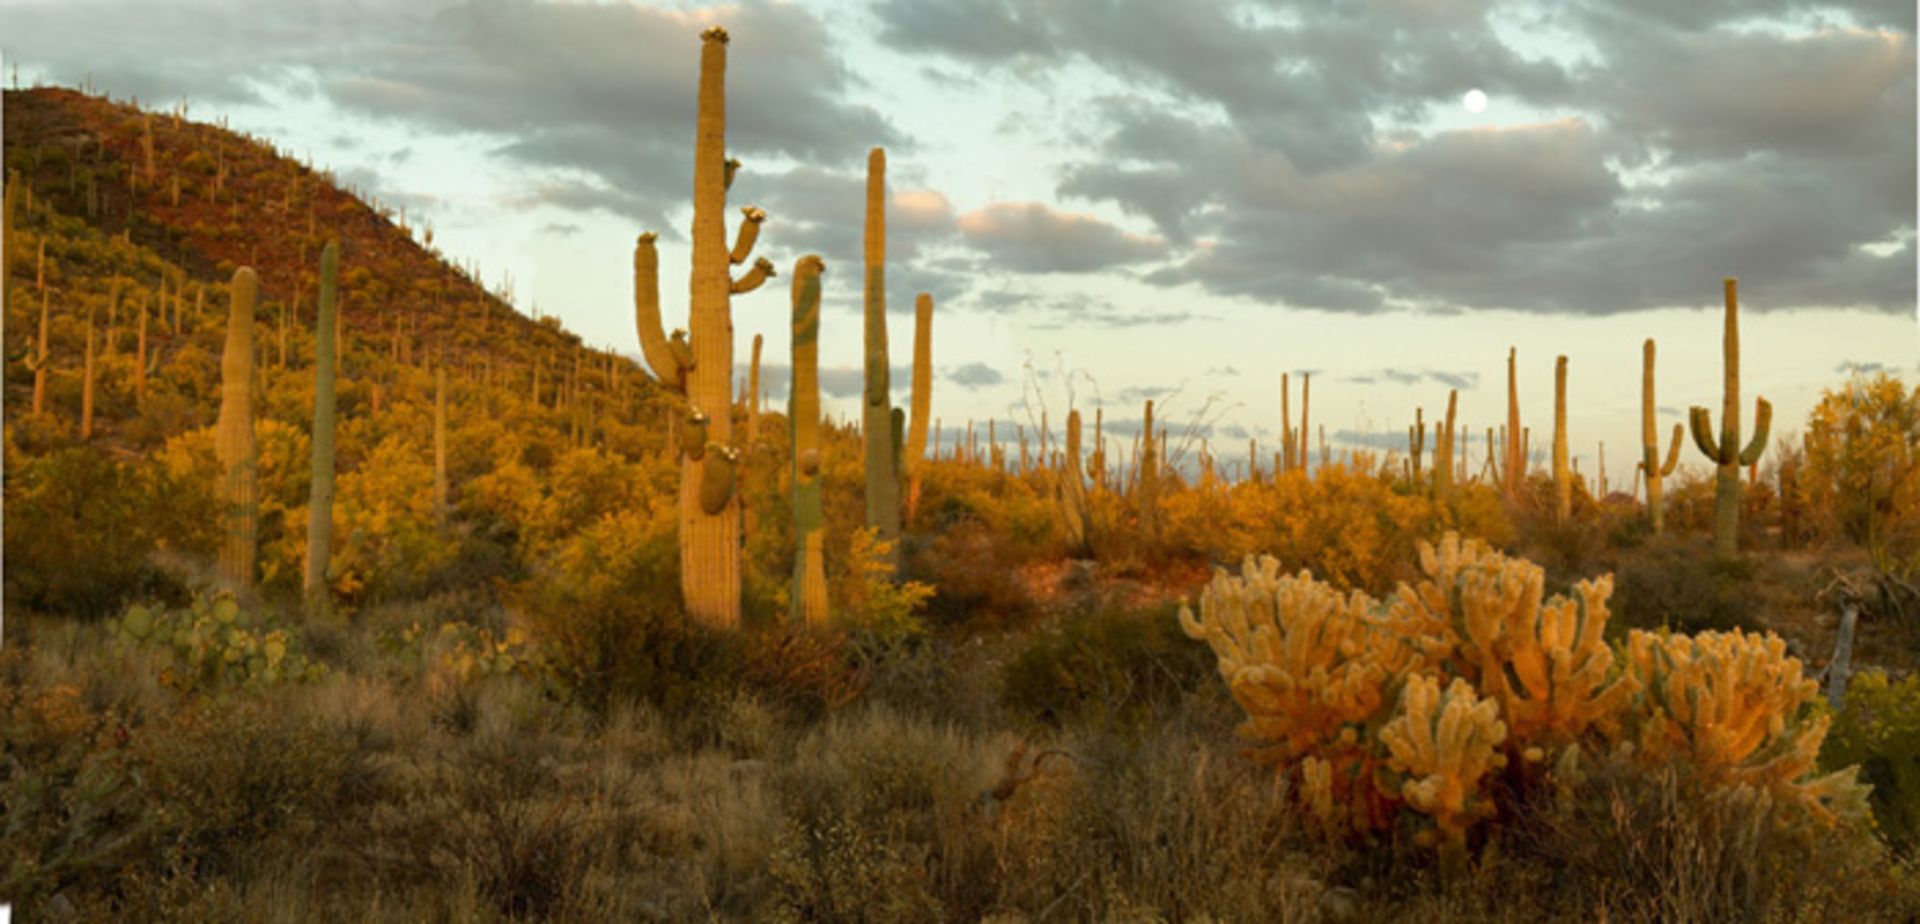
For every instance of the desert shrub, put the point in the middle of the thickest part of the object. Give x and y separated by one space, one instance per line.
238 785
74 805
1677 583
81 530
1879 729
606 610
878 810
1110 665
1622 843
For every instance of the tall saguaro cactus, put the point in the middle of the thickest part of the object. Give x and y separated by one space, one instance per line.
1443 451
922 396
1073 490
883 474
1148 472
1726 453
1562 482
698 364
1514 461
320 493
233 438
809 594
1654 472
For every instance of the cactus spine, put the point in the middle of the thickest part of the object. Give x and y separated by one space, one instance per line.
809 594
922 398
320 495
1650 464
233 437
698 364
1726 454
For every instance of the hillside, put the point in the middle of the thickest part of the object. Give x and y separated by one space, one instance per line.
125 217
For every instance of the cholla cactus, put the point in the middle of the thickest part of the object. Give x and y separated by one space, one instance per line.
1732 705
1547 662
1308 663
1415 703
1445 743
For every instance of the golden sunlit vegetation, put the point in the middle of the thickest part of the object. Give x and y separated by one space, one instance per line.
587 641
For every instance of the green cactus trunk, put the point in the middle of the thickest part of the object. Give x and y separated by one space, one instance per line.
1148 470
809 593
922 399
1650 467
1443 451
326 326
1727 454
883 475
40 360
1513 463
1562 482
753 394
233 439
1073 493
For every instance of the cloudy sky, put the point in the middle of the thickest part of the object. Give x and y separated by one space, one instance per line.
1112 200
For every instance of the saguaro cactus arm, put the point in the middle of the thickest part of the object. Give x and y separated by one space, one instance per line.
747 233
761 272
1762 423
669 365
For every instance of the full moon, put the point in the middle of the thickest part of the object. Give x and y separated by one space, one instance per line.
1475 101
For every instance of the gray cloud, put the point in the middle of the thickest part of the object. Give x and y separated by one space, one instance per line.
975 375
602 95
1281 181
1028 237
1461 380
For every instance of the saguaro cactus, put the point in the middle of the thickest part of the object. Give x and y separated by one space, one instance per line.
1443 452
440 446
1287 445
39 362
86 382
809 594
233 438
1149 474
698 364
1655 472
1514 462
1562 484
922 396
320 493
753 393
1073 490
883 477
1726 453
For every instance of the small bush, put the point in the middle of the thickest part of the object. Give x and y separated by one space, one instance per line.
1677 583
1880 730
1112 665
